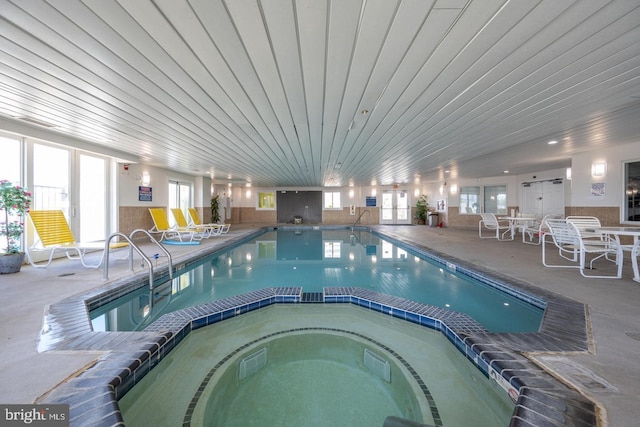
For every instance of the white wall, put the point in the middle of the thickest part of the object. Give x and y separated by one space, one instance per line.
615 156
130 180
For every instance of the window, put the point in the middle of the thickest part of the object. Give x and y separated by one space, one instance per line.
179 197
495 199
267 200
333 249
632 182
469 200
332 200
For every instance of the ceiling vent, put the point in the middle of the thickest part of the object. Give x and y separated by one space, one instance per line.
37 122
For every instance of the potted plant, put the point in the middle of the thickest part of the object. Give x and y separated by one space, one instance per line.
14 204
422 210
215 209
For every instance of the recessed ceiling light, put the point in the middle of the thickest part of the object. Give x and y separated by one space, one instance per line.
446 171
506 171
552 142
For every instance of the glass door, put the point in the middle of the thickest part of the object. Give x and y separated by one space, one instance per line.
395 207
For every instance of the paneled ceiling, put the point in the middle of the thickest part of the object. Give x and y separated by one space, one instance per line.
328 92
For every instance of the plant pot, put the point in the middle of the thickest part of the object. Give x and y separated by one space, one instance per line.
11 263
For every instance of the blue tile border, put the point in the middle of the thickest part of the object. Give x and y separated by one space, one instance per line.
498 356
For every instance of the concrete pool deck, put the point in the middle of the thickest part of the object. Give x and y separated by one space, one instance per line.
608 374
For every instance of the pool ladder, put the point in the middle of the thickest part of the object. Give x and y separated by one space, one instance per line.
132 246
359 218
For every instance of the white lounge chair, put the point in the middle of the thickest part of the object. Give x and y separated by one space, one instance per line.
500 227
573 247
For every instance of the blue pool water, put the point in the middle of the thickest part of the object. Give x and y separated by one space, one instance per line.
314 259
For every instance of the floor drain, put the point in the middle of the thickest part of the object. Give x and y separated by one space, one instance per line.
66 274
634 335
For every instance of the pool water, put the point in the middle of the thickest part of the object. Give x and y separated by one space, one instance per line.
314 259
314 378
288 391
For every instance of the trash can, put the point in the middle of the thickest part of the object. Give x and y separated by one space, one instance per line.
297 219
433 219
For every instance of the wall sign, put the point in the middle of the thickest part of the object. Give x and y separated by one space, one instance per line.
144 194
371 201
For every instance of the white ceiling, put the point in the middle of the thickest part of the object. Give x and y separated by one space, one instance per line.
328 92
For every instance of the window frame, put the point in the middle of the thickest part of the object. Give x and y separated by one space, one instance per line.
630 195
266 195
482 208
333 194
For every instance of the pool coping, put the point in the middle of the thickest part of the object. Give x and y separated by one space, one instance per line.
542 399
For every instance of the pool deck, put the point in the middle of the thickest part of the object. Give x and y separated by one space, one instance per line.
603 366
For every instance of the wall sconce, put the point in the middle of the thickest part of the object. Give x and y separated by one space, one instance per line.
145 179
454 188
351 193
416 192
248 193
598 169
373 192
569 174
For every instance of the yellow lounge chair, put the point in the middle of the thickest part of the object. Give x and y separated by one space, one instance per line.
205 230
54 234
195 219
161 225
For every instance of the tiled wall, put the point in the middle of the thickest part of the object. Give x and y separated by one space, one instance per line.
608 216
134 217
454 219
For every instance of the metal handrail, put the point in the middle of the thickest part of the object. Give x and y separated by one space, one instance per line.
359 217
133 246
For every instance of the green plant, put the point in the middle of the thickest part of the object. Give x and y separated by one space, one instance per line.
14 202
422 209
215 209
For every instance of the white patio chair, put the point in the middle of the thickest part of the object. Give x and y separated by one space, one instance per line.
635 253
583 223
495 225
571 246
536 229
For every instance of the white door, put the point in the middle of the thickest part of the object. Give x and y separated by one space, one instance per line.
542 198
531 199
395 207
553 197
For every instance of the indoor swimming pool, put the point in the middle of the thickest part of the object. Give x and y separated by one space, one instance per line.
315 365
314 259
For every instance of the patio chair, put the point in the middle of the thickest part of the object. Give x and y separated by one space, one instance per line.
500 227
635 253
195 220
573 247
161 226
583 223
536 229
205 231
54 234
